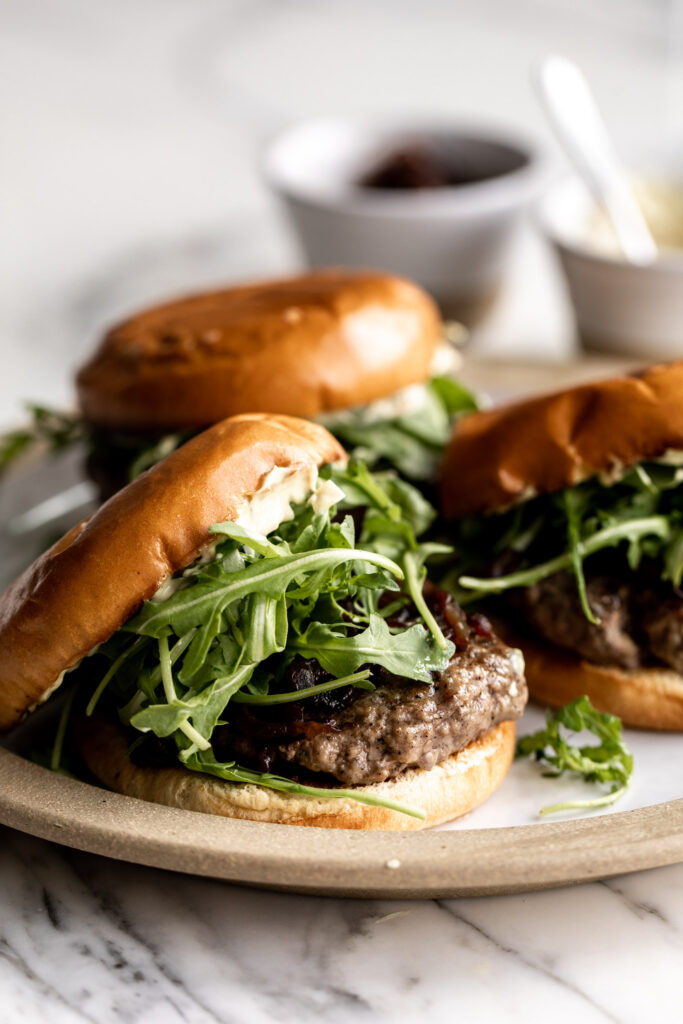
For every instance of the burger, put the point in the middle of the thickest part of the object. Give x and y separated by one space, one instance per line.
567 514
247 630
362 352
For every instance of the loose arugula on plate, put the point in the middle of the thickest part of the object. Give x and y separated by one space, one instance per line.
608 762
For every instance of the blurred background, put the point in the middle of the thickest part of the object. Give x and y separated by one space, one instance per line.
131 134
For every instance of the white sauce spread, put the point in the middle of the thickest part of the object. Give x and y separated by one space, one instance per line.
447 359
405 402
265 510
50 690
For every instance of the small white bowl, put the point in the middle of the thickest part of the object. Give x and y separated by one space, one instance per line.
619 307
453 240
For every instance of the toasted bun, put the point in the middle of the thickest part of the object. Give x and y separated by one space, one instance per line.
87 585
649 698
544 444
302 346
452 788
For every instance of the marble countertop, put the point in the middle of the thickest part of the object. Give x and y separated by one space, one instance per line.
83 938
130 131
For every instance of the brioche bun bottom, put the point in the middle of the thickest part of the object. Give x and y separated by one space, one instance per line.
449 790
648 698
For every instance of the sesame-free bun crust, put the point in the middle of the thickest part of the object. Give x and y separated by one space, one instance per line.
452 788
302 346
648 698
95 578
544 444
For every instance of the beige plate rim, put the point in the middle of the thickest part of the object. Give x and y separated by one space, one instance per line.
336 862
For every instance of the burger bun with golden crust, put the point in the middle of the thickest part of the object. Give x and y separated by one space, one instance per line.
544 444
81 590
301 346
647 698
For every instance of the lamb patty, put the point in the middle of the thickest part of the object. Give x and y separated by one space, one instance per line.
662 625
639 624
553 608
373 736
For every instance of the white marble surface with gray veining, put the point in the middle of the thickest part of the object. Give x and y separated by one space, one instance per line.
87 939
129 132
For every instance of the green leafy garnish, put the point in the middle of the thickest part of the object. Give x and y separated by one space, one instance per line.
359 679
316 588
409 652
148 455
48 428
233 773
631 530
413 443
640 514
608 762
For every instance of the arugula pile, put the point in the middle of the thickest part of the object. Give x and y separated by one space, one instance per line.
609 762
412 444
234 623
641 514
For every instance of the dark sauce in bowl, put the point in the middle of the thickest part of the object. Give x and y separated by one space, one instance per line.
441 163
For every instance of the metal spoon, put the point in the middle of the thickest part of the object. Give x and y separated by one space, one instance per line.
575 117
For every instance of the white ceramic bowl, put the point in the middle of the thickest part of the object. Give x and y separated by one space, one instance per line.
620 308
453 240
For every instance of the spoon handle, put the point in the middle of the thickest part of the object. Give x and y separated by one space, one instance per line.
575 116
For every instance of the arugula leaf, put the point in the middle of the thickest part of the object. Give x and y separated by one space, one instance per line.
149 455
572 511
407 653
359 679
58 744
161 719
454 396
206 762
397 512
641 513
196 605
416 574
415 510
111 672
269 627
608 762
256 541
207 706
48 427
412 443
631 530
673 557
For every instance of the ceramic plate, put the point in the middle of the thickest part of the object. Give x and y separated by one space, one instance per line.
501 847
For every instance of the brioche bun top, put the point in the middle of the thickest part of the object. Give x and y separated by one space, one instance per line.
80 591
301 346
547 443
